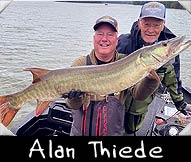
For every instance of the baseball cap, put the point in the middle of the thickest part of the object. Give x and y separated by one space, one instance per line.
153 9
106 19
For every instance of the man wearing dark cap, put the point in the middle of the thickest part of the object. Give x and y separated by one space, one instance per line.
104 115
149 29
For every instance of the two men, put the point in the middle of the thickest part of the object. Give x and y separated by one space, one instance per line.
110 115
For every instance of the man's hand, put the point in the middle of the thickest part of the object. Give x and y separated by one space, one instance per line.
73 94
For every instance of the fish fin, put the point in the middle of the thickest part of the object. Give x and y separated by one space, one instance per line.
41 107
6 113
37 72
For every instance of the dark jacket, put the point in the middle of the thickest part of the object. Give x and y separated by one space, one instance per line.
136 111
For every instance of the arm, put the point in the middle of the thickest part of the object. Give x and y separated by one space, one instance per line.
170 81
146 87
176 65
138 100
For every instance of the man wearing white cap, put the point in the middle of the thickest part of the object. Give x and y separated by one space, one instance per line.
149 29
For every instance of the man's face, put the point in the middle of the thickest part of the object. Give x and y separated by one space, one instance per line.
150 29
105 41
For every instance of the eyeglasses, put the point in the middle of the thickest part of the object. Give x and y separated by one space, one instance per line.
149 25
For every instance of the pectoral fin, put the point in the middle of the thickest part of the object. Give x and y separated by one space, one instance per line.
41 107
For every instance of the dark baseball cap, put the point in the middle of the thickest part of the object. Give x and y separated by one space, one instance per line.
153 9
106 19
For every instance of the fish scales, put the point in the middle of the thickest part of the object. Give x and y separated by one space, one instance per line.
95 79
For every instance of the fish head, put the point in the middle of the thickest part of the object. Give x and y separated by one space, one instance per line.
157 55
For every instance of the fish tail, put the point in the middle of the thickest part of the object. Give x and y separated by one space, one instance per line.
6 113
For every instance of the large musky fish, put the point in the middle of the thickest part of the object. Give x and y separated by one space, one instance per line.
49 85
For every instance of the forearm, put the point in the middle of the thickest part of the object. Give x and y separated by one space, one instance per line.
145 88
171 83
174 93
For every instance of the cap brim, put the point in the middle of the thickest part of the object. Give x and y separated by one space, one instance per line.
157 17
96 26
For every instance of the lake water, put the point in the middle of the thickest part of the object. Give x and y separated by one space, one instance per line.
52 34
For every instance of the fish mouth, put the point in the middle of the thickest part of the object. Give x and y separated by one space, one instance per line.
177 45
172 48
176 41
184 45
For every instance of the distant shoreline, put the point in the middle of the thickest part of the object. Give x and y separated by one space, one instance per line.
117 2
168 4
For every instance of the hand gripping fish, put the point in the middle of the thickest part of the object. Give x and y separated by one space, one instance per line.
49 85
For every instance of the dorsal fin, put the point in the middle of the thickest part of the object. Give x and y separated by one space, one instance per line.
37 72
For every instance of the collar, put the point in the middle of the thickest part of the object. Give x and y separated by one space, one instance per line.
95 60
